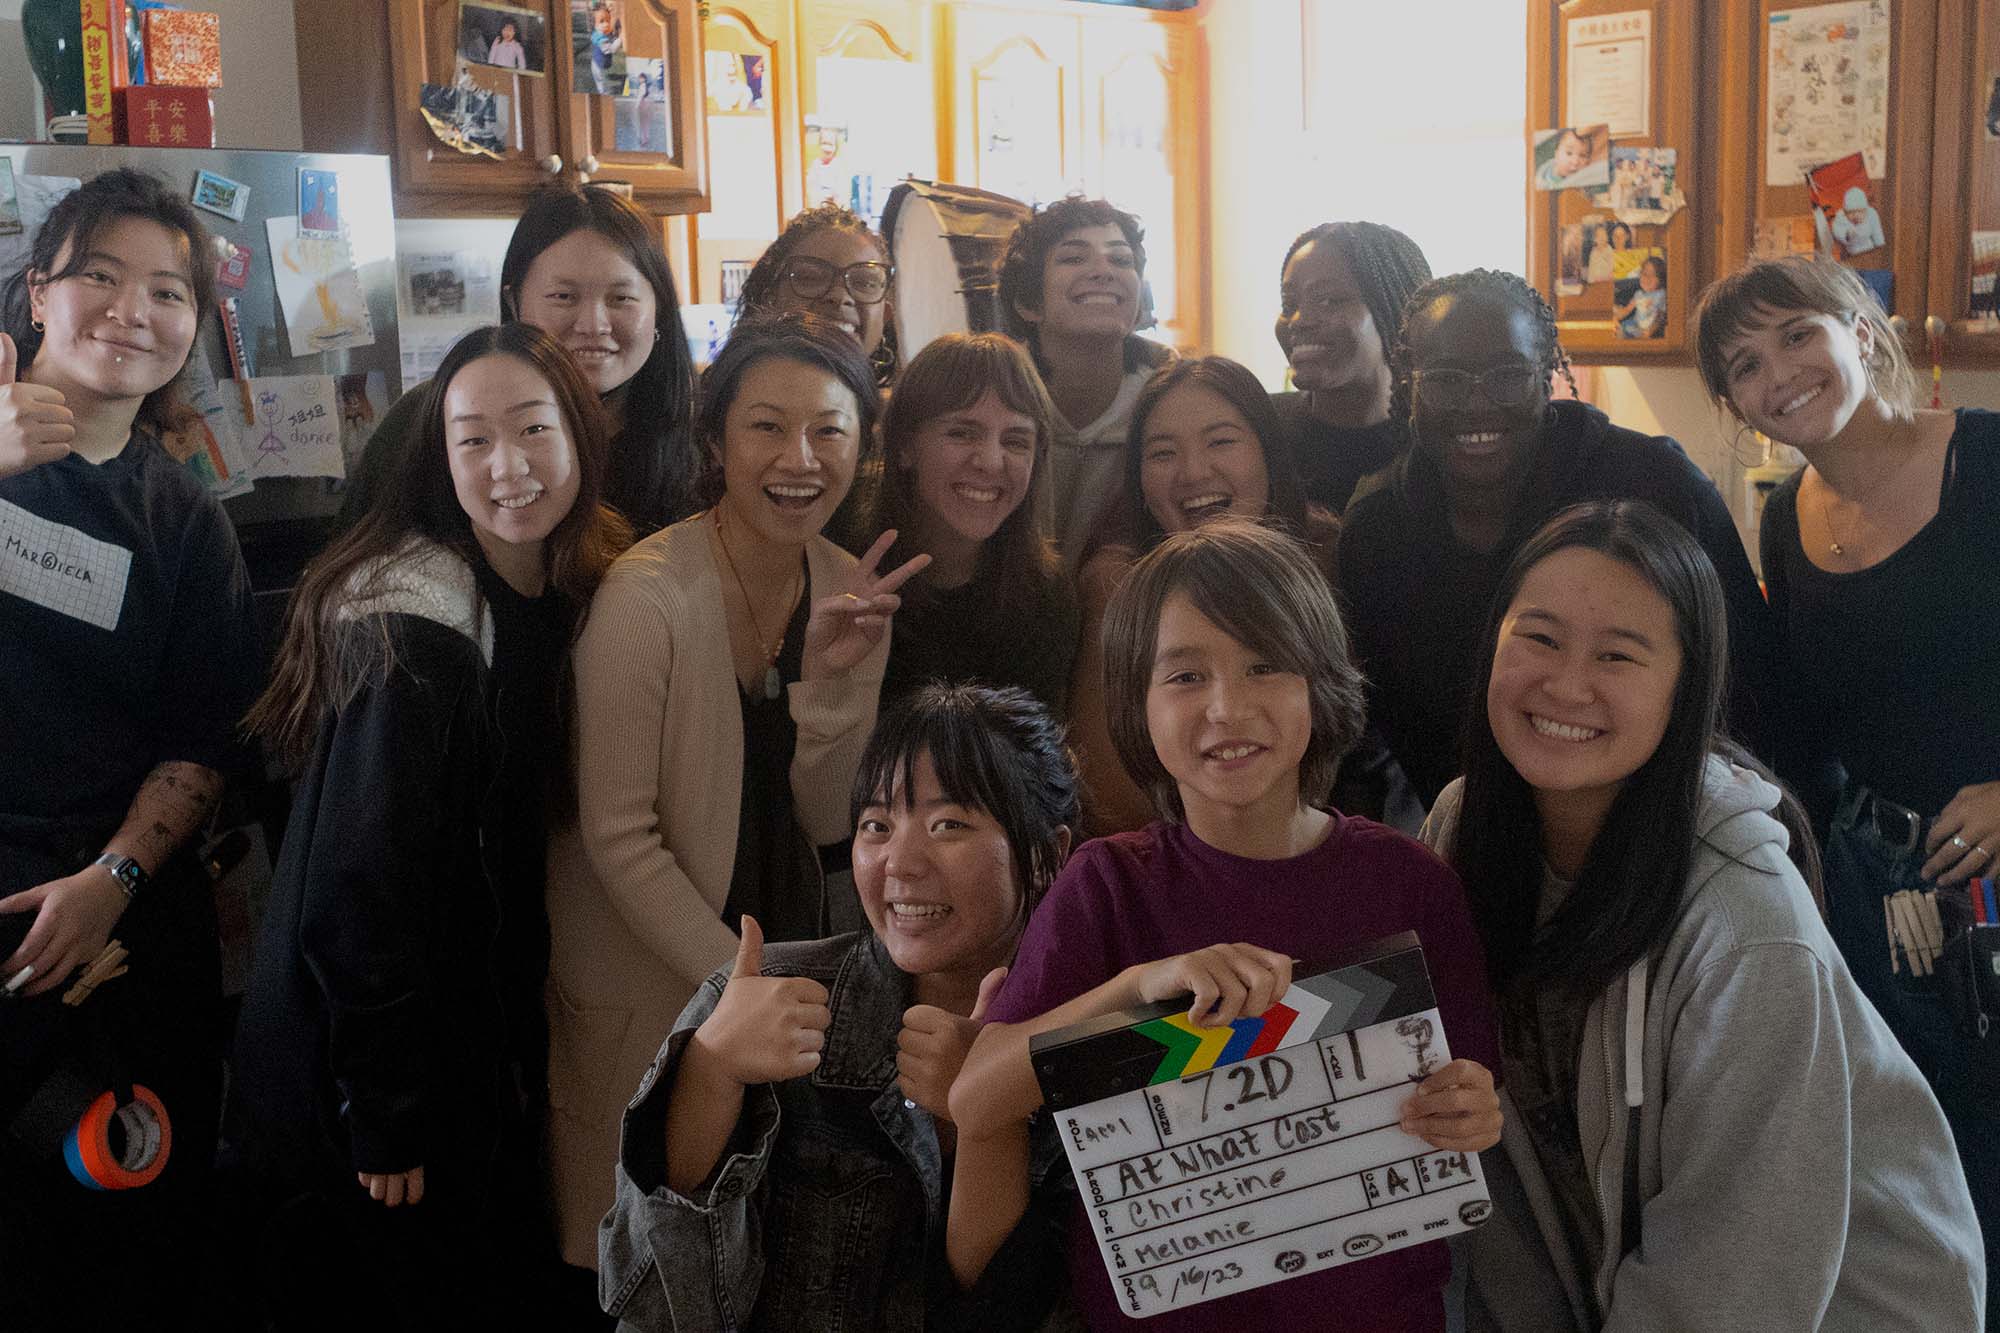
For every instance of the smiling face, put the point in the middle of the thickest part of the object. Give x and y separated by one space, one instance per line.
1229 727
513 464
1090 286
1479 444
838 248
1572 152
1199 460
937 880
585 292
1649 276
1799 376
1584 675
973 467
121 327
1325 328
791 437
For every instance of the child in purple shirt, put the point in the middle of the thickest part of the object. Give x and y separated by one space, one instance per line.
1231 699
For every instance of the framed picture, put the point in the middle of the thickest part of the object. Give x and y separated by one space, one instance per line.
504 37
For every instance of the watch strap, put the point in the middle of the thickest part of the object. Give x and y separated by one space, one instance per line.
131 876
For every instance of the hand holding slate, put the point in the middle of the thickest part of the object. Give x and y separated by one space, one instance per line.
1455 1109
1226 980
36 426
932 1046
764 1029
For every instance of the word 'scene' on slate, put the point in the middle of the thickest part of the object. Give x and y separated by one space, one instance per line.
1217 1160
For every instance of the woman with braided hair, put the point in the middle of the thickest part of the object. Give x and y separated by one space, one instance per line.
1488 459
1343 285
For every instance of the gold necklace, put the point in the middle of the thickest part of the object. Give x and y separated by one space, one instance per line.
1833 542
772 685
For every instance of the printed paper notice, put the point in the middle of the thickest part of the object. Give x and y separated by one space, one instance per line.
1218 1160
294 429
1611 72
318 289
1827 89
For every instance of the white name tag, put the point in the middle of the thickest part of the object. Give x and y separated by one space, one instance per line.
1226 1159
62 569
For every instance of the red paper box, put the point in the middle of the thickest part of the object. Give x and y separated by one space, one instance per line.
183 48
151 116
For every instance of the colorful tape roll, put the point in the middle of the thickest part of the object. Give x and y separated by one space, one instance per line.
113 1147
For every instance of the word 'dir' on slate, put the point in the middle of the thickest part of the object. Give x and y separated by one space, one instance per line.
1218 1160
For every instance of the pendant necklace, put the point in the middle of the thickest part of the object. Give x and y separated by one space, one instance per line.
1826 514
773 686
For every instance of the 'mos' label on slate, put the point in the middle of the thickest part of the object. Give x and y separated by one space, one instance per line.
62 569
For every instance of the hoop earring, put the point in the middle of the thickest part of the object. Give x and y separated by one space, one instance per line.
1736 446
37 325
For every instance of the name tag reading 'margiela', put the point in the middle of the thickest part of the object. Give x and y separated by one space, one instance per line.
1218 1160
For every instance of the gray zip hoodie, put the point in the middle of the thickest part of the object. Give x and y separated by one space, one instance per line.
1791 1168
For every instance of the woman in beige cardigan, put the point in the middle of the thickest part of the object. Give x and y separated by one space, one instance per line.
726 683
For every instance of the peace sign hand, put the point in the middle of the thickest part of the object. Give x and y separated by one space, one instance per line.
845 627
35 425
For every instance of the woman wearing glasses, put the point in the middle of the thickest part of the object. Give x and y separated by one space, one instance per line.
1491 459
830 263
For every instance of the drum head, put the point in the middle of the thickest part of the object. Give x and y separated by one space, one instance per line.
946 242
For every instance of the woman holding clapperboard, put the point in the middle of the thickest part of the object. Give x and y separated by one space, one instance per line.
1231 699
1707 1125
784 1164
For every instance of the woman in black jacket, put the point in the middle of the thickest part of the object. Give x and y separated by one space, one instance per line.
390 1054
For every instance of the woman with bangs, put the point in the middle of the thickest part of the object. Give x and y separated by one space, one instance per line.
1205 441
1881 563
787 1162
965 444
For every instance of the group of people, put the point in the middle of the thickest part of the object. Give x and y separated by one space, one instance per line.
703 794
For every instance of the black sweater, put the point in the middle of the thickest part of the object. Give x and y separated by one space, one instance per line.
1417 601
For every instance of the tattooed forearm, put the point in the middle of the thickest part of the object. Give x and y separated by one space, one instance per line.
173 804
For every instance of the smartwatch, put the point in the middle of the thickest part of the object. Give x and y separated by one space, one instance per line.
131 876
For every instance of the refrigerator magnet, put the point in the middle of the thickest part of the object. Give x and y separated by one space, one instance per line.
220 195
319 202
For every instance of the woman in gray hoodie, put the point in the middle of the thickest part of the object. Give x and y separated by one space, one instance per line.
1707 1125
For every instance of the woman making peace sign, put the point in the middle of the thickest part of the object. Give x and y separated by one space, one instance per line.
726 684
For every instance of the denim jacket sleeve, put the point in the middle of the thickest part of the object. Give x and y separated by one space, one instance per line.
1028 1274
667 1260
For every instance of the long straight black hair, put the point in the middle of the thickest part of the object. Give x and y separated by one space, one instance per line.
1627 898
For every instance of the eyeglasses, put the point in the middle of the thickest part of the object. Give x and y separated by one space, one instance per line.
866 282
1504 386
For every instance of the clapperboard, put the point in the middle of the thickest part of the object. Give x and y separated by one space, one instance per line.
1217 1160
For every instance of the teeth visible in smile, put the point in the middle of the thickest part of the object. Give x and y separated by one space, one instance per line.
1204 501
918 911
1561 731
1480 437
977 494
518 501
1229 752
1800 401
591 353
794 492
850 329
1099 298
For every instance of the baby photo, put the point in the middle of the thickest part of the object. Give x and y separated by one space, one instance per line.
1573 158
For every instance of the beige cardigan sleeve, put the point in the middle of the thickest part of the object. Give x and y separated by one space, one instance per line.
624 661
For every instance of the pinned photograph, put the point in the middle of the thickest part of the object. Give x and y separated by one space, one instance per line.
1774 238
1993 106
735 83
597 35
1643 189
471 119
1986 276
1570 267
10 200
1605 242
1641 301
1846 220
319 203
1573 158
504 37
220 195
642 109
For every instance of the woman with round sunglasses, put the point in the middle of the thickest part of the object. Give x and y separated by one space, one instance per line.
1490 459
830 263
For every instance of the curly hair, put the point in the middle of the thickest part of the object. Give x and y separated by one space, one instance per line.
761 284
1028 254
1510 288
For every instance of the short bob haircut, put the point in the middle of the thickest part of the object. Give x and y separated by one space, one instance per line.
1763 293
70 234
807 339
1262 589
950 375
993 749
1027 260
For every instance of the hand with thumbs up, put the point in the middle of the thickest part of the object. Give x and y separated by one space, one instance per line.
36 427
931 1048
764 1029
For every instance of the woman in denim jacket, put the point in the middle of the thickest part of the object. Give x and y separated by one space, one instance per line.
792 1132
